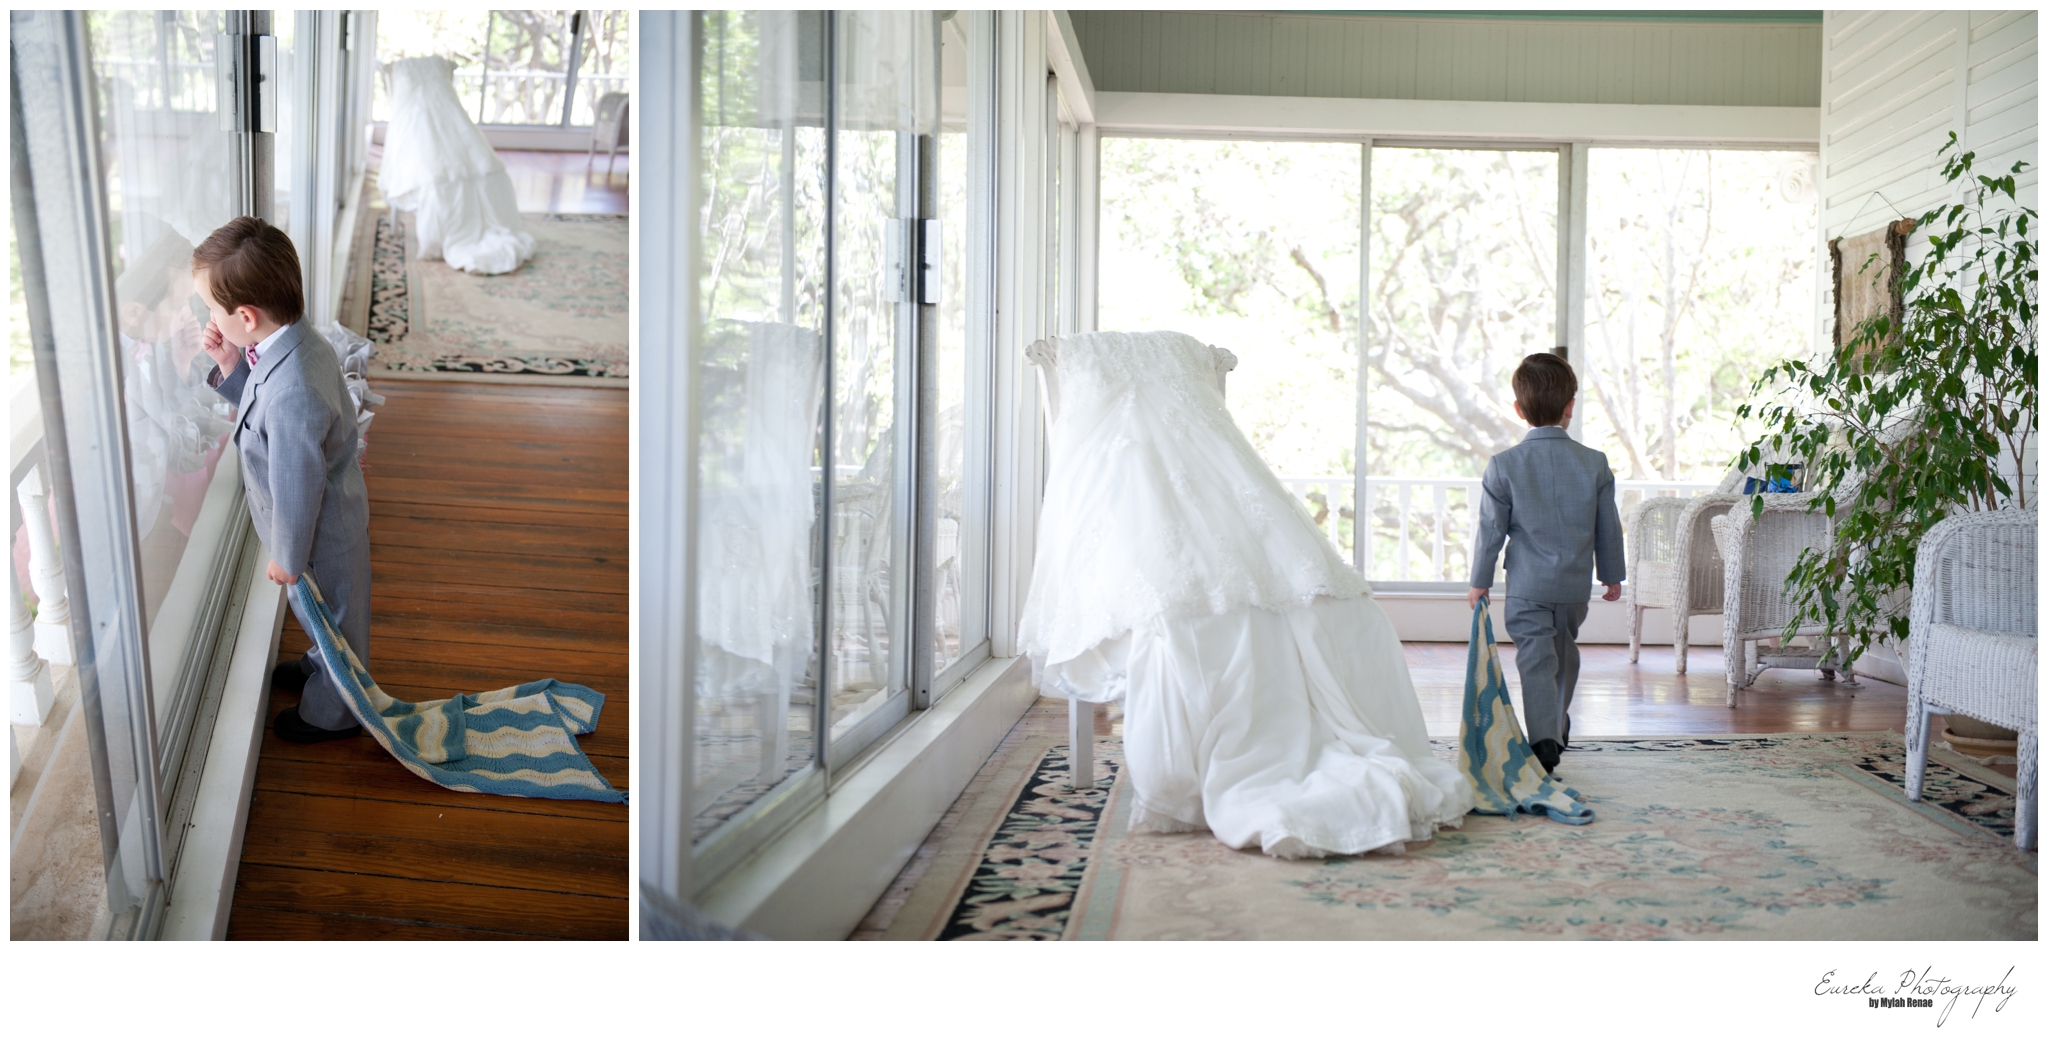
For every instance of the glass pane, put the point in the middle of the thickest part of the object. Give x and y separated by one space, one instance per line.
885 96
1252 246
1464 266
526 67
762 380
171 178
960 556
606 66
285 146
170 182
458 36
1700 272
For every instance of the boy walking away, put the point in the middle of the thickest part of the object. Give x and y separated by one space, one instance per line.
296 432
1551 499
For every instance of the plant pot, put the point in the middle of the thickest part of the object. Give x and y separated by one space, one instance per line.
1975 729
1974 737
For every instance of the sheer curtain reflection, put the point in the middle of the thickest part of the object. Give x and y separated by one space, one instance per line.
762 382
885 96
171 180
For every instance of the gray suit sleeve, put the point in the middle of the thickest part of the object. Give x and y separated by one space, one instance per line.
1495 513
296 424
229 386
1608 564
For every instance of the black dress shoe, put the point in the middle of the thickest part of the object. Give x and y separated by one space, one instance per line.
289 676
292 729
1548 753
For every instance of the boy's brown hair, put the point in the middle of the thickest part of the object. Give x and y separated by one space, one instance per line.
1544 384
251 262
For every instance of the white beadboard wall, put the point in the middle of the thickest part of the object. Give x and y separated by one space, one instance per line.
1462 59
1896 83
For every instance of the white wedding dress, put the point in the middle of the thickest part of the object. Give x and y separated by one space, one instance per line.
438 166
1265 693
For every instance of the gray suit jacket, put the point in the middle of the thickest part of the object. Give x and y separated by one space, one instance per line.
297 437
1551 499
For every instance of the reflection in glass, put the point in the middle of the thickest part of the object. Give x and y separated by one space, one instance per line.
1252 246
1464 264
171 180
885 96
960 546
1700 270
762 380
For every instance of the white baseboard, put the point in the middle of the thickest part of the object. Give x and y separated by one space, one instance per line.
204 890
822 875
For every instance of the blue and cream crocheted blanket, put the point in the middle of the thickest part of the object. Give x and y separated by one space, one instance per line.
516 741
1492 751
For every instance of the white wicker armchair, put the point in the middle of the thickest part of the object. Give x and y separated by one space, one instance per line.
1757 553
1674 563
1972 644
613 118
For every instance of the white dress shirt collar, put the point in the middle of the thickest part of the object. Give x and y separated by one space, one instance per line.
262 348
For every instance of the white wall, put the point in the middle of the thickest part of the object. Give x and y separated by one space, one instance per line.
1895 83
1454 59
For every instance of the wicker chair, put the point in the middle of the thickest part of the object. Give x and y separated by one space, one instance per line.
1757 553
1674 563
609 131
1972 643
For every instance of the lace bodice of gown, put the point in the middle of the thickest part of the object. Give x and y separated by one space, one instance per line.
1156 504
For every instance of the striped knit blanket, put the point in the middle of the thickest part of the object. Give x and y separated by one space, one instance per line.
517 741
1492 751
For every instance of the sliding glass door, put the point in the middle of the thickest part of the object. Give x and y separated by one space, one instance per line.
138 133
840 560
1698 265
1700 273
1464 283
1252 246
518 68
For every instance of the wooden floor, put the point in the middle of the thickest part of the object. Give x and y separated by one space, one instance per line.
498 540
1650 698
559 183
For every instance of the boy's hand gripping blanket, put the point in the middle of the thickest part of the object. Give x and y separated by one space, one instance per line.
1492 752
518 741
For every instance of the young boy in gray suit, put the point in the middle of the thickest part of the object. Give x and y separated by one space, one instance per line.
1551 499
296 432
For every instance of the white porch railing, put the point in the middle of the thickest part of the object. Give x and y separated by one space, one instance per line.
38 640
533 96
1420 527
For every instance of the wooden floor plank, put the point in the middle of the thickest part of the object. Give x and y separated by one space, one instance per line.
499 555
457 906
255 923
1616 698
381 778
491 866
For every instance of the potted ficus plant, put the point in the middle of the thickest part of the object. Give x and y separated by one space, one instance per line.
1904 423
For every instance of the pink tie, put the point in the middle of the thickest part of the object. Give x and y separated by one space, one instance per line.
251 351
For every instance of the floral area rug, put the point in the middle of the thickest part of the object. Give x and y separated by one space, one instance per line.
1771 837
559 319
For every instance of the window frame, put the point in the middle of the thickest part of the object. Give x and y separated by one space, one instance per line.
146 688
1571 266
679 859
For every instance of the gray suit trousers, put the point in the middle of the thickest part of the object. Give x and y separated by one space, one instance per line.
344 582
1546 637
